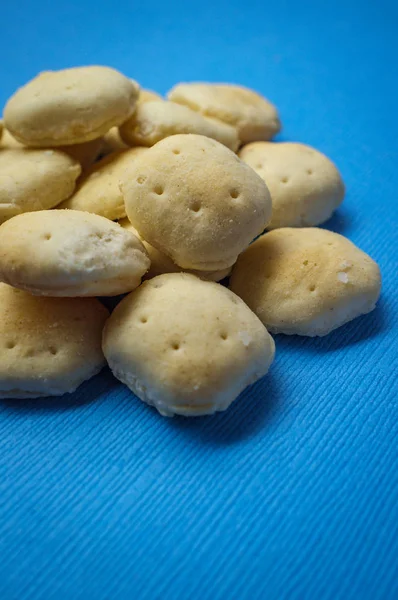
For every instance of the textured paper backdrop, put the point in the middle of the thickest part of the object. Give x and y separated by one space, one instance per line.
293 492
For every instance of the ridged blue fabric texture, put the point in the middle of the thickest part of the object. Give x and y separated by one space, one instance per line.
292 493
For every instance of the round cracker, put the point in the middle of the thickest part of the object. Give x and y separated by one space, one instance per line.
193 199
70 106
305 186
254 117
70 253
306 281
33 179
48 346
185 345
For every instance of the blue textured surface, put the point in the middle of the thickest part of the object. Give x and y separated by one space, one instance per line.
292 493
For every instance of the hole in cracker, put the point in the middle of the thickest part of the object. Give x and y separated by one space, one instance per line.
285 179
305 263
234 193
47 236
259 166
158 190
141 179
176 151
175 346
10 344
223 335
53 350
312 288
144 320
195 206
310 171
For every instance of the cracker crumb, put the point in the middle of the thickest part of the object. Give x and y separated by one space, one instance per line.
345 264
245 337
343 277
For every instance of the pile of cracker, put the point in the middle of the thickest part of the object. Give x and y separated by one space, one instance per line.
107 189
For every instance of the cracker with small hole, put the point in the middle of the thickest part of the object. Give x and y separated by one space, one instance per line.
70 253
306 281
154 121
253 116
98 190
196 201
48 346
185 345
70 106
161 263
305 186
34 180
179 341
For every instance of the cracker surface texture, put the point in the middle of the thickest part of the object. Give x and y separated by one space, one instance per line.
34 180
86 153
148 96
98 190
196 201
70 106
48 346
185 345
8 141
305 186
154 121
161 263
70 253
306 281
254 117
112 142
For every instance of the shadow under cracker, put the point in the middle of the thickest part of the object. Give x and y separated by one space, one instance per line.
247 416
340 222
87 393
355 332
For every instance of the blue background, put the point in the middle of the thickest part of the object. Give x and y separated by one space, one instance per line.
292 493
